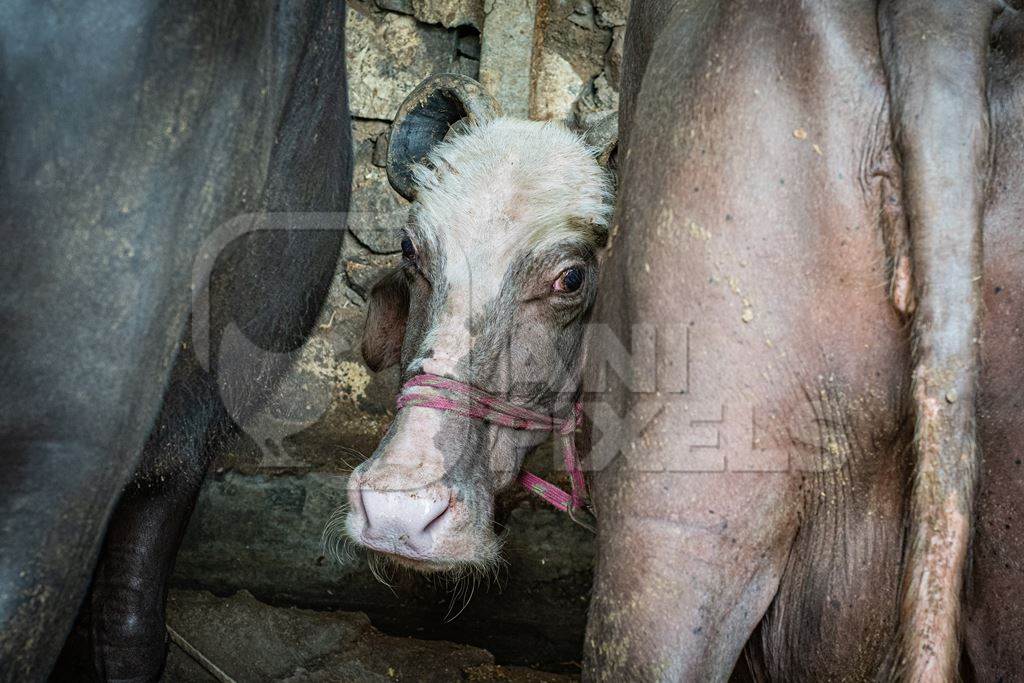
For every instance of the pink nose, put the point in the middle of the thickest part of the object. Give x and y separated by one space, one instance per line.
398 520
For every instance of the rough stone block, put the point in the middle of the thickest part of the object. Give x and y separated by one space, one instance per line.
556 87
583 15
567 34
613 57
469 45
252 641
450 13
377 212
506 52
612 12
401 6
597 101
468 67
388 55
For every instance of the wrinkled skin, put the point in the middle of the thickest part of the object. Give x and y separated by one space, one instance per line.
760 499
131 132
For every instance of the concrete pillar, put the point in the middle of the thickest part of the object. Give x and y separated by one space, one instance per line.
506 52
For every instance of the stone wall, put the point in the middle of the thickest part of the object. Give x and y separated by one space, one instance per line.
257 525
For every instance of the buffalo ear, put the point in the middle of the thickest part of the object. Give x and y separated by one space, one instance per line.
386 315
603 136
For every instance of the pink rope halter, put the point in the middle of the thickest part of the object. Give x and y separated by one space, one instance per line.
479 405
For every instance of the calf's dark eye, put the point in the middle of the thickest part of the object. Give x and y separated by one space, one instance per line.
570 280
408 250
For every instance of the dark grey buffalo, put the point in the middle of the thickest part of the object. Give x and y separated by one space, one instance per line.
146 146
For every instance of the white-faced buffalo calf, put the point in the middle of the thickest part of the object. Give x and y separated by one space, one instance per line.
497 280
136 139
804 191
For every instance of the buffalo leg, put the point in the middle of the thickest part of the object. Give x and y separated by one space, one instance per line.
130 585
47 551
994 632
671 601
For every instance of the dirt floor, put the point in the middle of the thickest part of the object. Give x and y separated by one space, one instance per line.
249 640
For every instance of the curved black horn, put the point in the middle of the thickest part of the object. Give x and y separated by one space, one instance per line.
424 119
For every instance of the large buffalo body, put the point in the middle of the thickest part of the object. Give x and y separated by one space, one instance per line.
131 134
793 179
